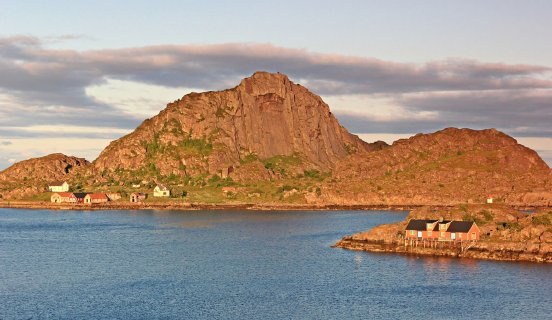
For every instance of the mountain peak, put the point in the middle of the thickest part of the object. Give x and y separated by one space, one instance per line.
262 82
265 116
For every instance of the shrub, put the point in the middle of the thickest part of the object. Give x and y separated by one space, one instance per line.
313 174
488 215
250 158
474 218
508 225
215 178
544 220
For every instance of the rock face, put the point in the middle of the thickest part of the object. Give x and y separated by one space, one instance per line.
265 116
52 167
450 166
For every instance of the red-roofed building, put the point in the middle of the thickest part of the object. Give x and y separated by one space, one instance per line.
92 198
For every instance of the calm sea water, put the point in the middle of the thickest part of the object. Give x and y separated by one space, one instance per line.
242 265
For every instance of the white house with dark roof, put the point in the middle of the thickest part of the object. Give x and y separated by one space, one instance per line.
58 186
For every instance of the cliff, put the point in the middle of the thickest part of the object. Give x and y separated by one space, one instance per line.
265 116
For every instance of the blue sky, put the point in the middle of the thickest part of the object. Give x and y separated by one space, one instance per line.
75 74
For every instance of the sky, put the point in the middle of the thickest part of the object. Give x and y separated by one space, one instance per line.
75 75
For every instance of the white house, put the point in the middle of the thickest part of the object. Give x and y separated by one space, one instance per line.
58 186
161 191
490 199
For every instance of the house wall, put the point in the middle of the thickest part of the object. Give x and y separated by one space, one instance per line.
137 198
474 230
443 235
159 193
56 198
62 188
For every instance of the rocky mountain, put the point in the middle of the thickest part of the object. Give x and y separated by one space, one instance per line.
447 167
277 141
52 167
31 176
265 116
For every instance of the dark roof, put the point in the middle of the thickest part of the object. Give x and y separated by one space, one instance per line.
80 195
419 225
460 226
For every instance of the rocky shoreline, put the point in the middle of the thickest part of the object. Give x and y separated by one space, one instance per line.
481 250
185 206
507 234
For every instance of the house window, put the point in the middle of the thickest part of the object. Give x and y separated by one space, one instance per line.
412 232
460 235
442 234
429 233
473 235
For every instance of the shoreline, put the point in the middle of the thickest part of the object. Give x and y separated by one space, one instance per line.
482 250
186 206
200 206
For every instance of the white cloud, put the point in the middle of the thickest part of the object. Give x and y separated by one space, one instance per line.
141 99
25 148
381 108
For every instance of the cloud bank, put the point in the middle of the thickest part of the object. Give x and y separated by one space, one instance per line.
44 87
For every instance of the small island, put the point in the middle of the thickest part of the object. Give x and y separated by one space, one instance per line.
491 232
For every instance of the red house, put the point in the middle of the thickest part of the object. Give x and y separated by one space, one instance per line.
443 230
95 198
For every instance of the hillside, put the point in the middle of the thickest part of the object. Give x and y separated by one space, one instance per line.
266 118
32 176
450 166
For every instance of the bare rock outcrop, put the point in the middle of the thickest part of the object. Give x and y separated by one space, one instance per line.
30 177
55 166
265 116
449 167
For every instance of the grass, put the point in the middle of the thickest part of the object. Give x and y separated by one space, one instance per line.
282 164
542 220
252 157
